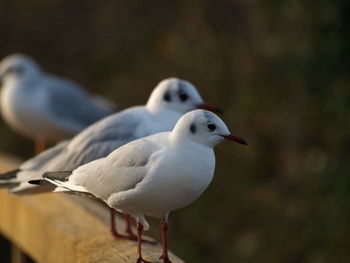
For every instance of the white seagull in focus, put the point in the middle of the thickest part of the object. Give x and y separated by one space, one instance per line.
155 175
171 99
45 107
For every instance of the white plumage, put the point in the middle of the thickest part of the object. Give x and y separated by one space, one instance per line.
161 112
155 175
42 106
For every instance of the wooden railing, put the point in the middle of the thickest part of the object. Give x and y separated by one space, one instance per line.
54 228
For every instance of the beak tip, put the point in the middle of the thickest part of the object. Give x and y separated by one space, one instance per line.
242 141
236 139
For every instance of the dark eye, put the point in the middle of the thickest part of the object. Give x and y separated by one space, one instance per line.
167 97
14 70
211 127
183 96
193 128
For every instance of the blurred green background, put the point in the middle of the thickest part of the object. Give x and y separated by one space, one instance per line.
279 69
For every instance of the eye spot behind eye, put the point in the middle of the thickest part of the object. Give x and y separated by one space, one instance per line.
193 128
211 127
14 70
167 97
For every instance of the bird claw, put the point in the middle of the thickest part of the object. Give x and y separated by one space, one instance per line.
131 237
165 259
116 235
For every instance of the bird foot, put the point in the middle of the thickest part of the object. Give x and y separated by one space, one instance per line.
131 237
116 235
165 259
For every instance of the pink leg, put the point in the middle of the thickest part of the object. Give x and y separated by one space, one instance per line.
130 235
128 228
40 145
164 255
139 252
113 225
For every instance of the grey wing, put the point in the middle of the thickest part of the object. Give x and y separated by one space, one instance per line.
117 127
63 161
70 104
122 170
43 158
32 168
70 160
98 140
94 142
104 103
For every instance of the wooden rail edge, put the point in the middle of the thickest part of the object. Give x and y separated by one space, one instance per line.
60 228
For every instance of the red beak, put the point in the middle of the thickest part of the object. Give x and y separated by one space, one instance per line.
212 108
235 138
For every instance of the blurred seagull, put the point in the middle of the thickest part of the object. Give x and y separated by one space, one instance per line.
45 107
155 175
168 102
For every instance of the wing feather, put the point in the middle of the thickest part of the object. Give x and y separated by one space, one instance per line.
70 105
95 142
122 170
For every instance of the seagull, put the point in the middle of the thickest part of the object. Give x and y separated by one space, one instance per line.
45 107
170 99
154 175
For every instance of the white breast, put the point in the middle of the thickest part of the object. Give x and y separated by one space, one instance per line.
24 110
176 180
17 108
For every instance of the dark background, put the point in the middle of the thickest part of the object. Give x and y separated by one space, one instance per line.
280 69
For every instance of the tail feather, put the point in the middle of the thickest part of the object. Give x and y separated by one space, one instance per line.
62 189
9 178
8 185
60 179
9 175
38 182
58 176
26 188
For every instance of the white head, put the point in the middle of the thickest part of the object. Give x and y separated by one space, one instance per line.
176 95
203 127
18 66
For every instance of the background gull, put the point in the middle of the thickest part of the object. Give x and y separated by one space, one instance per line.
168 102
154 175
45 107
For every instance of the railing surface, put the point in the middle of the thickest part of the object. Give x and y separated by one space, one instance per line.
62 228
